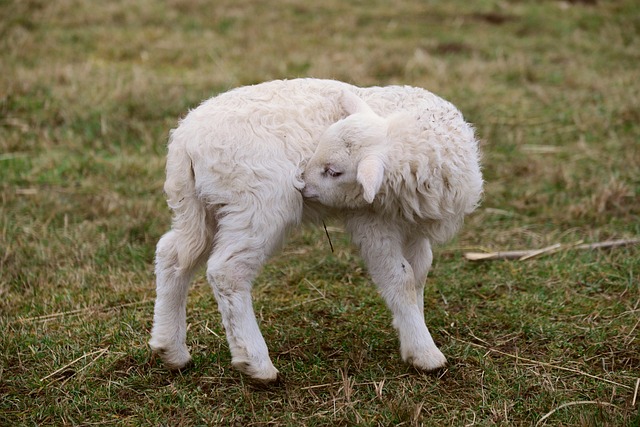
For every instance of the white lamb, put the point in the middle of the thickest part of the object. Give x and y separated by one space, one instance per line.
399 164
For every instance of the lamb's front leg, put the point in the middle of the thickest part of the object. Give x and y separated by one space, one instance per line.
381 247
418 251
397 287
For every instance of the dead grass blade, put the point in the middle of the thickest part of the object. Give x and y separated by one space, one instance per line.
525 254
579 402
547 250
328 237
52 316
347 385
377 385
99 353
538 363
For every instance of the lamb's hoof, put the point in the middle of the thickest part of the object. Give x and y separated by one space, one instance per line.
173 358
266 374
428 361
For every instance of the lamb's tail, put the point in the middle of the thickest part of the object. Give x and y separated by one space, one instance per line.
193 233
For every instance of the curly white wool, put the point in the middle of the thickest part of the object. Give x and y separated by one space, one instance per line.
235 187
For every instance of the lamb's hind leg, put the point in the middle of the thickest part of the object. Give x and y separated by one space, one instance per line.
382 249
168 336
241 248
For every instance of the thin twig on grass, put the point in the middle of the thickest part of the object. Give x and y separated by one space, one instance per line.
530 253
206 327
635 392
536 362
535 253
52 316
84 356
336 383
629 336
579 402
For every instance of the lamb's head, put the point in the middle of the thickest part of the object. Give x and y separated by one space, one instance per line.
347 168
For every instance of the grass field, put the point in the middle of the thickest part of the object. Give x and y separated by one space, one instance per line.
88 94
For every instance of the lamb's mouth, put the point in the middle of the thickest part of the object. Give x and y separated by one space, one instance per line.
309 194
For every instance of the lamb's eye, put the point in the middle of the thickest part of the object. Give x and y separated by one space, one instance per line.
332 172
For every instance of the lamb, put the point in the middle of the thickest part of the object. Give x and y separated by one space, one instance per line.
397 163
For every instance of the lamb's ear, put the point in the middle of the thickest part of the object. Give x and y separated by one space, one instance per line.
352 104
370 174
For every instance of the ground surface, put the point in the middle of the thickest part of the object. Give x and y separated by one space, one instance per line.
88 93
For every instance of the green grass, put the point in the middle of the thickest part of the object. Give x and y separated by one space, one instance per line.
88 93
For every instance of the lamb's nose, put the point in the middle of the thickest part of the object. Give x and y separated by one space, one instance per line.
309 193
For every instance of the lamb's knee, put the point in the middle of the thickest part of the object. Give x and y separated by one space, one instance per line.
181 250
166 251
234 264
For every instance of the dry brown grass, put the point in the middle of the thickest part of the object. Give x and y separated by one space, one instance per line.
88 92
